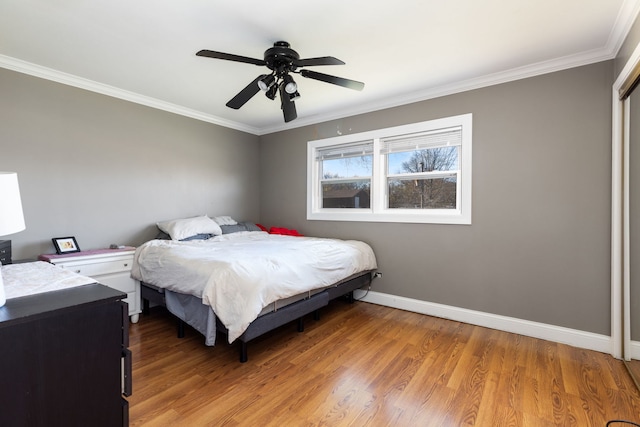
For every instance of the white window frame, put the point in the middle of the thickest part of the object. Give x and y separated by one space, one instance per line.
379 212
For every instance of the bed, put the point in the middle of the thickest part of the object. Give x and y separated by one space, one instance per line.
243 282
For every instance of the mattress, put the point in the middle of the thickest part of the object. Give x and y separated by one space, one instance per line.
241 274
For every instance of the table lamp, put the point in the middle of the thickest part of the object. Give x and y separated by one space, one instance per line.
11 217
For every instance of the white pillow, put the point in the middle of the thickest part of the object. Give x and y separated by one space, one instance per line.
225 220
180 229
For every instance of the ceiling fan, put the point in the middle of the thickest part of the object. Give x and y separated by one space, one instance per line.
281 60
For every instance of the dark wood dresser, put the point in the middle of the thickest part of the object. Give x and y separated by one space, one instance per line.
5 252
64 359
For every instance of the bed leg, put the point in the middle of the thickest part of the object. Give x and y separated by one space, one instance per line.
300 324
350 298
316 315
180 329
145 307
243 352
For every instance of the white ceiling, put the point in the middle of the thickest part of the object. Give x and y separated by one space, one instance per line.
404 51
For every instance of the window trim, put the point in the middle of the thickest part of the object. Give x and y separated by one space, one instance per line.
378 211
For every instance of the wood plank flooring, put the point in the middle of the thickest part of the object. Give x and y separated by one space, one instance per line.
367 365
633 366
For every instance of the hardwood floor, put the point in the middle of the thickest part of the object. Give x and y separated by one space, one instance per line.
633 366
367 365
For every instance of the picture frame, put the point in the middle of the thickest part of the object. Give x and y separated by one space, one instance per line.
65 245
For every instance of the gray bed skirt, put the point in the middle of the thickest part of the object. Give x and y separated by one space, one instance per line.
193 312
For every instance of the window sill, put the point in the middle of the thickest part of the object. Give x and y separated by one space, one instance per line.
410 216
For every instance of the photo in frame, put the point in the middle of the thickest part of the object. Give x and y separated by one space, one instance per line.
65 245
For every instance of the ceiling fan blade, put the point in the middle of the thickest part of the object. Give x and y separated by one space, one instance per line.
351 84
324 60
230 57
287 105
245 94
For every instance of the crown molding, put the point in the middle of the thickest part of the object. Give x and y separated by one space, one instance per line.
93 86
624 21
519 73
623 24
514 74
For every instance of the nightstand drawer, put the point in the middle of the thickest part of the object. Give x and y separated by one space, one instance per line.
121 281
97 268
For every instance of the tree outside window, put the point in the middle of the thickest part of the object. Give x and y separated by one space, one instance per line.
420 184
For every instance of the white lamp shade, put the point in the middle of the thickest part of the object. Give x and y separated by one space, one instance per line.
11 217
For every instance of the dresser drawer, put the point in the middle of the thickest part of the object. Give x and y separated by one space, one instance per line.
97 268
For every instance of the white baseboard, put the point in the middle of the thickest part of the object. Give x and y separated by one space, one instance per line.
574 337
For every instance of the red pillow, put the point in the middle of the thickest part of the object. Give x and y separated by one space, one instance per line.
284 231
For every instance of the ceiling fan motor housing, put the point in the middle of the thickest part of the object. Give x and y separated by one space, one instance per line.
281 57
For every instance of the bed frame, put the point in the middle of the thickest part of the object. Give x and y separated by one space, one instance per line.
273 319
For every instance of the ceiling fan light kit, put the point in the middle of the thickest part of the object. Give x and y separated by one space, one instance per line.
281 60
271 92
290 85
266 83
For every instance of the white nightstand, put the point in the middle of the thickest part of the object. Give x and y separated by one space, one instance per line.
110 267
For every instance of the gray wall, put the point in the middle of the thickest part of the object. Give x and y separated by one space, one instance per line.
106 170
539 245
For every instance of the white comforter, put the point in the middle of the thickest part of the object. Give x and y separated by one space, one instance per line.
241 273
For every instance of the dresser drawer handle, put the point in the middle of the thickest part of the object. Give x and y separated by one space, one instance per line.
78 271
126 264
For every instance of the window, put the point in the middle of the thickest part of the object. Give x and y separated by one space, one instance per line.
413 173
345 175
